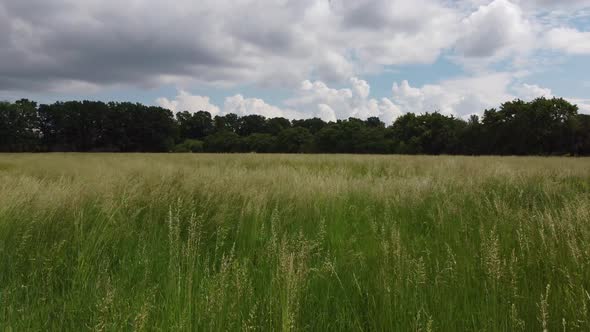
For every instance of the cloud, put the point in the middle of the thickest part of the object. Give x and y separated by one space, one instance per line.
393 32
147 43
532 91
495 31
237 104
67 46
186 102
313 100
465 96
541 6
331 104
569 40
460 97
247 106
583 104
360 87
552 4
326 113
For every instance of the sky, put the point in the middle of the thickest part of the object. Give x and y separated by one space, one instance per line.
331 59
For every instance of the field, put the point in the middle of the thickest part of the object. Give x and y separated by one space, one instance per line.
114 242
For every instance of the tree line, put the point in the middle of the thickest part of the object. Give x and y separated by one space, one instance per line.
539 127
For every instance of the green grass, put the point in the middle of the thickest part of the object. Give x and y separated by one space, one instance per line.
293 242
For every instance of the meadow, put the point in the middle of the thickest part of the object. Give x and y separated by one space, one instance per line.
131 242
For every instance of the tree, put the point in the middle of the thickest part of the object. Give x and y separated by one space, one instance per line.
229 122
251 124
542 126
353 136
143 128
555 120
471 137
327 140
223 141
261 143
314 125
430 133
374 122
406 132
189 145
275 125
19 126
294 140
582 135
194 126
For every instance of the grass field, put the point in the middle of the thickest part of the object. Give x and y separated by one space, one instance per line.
293 242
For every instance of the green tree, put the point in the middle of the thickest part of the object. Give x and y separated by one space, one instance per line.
229 122
194 126
543 126
314 125
251 124
295 140
189 145
275 125
261 143
223 141
19 126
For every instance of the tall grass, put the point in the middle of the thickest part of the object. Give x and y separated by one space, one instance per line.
293 242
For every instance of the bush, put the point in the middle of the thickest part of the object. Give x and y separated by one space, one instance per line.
189 145
224 141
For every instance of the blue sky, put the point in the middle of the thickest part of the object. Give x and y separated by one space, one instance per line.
298 58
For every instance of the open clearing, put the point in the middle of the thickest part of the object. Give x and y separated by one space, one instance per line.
293 242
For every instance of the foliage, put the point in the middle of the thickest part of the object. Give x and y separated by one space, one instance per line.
261 143
189 145
194 126
294 140
540 127
96 126
223 141
19 126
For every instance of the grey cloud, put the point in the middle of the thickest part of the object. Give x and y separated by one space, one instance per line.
367 14
557 3
484 45
273 27
106 44
384 14
144 42
48 43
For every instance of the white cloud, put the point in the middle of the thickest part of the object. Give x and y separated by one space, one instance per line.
247 106
326 113
330 104
471 95
583 104
569 40
360 87
532 91
553 4
460 97
186 102
313 99
495 31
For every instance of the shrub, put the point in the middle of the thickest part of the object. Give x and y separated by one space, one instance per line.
189 145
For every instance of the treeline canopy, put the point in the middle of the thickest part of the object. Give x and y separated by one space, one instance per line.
540 127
